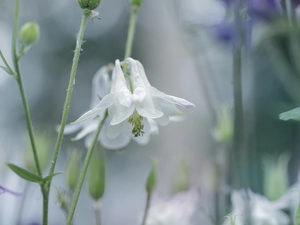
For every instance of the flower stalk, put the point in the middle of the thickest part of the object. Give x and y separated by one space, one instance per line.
21 88
131 31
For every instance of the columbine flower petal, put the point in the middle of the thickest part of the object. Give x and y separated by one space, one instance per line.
99 109
91 127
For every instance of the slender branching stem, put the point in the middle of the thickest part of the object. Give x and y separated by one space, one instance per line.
21 88
84 170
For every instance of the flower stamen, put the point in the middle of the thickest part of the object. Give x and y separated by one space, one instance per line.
136 121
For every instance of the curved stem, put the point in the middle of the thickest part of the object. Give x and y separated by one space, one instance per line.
83 171
22 91
131 31
146 209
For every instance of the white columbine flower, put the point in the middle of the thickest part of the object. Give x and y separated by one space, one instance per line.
257 209
134 101
101 87
178 210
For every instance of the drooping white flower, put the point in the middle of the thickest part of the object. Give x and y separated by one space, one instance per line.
101 87
134 101
178 210
257 208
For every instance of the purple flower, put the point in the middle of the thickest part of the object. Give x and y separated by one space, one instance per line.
3 190
265 10
225 31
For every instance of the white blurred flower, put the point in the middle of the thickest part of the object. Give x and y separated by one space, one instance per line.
135 102
258 209
177 210
101 87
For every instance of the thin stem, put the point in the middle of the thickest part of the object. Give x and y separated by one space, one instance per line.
45 192
83 171
146 209
46 187
97 212
79 41
7 65
131 31
22 91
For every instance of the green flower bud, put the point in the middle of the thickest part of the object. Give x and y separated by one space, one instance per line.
276 176
29 33
97 174
136 4
223 132
89 4
43 144
151 180
182 179
73 168
63 199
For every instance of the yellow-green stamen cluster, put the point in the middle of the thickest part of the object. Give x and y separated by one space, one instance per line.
136 121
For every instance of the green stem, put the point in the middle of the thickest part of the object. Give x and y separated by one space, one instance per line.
7 65
83 171
46 187
22 91
146 209
131 31
80 35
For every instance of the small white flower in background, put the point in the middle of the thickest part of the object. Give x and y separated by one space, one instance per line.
136 102
177 210
257 208
101 87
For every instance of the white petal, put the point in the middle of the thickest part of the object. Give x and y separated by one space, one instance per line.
86 130
88 140
118 78
163 121
137 71
101 85
147 108
172 99
115 144
98 109
115 131
139 94
124 97
153 126
119 113
70 128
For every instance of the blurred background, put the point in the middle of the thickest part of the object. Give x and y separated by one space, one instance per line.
182 57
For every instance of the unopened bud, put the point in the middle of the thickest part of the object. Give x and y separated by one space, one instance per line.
151 180
136 4
43 147
29 33
97 174
63 198
73 168
223 132
89 4
182 179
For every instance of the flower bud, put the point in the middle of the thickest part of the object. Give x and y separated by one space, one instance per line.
136 4
182 178
43 147
63 198
73 168
29 33
223 132
276 176
97 174
151 180
89 4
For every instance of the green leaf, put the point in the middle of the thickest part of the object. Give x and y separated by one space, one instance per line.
50 176
25 174
293 114
7 70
